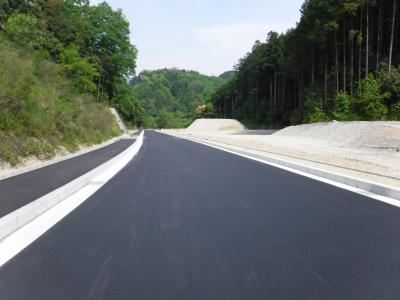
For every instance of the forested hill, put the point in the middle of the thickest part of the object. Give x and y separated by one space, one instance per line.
340 62
62 63
170 96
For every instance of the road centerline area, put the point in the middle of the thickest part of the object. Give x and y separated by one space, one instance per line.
186 221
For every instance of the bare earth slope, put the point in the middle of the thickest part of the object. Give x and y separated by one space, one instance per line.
368 150
216 124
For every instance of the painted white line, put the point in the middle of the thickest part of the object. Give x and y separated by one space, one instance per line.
14 243
381 198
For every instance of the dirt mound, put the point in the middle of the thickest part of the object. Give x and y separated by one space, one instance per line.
216 124
353 134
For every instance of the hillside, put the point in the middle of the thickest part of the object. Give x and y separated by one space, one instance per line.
62 64
340 62
40 111
170 96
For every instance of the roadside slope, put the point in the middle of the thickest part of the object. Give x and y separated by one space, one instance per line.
367 150
41 112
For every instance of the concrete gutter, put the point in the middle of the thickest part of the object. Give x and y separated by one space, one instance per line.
119 120
17 219
365 185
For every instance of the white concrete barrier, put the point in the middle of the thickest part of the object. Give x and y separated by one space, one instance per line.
104 172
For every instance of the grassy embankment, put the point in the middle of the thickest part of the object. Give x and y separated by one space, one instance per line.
40 111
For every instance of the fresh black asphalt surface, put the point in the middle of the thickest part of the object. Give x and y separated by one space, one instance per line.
20 190
185 221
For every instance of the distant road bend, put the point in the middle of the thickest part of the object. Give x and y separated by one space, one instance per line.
186 221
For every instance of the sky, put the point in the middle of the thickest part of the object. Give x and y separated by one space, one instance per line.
208 36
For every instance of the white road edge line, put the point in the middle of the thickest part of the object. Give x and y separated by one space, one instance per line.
14 243
384 199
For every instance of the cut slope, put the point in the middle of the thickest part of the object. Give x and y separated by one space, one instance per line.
41 112
216 124
351 134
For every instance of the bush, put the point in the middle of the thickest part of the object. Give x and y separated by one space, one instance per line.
342 108
295 117
318 115
205 111
395 112
20 28
372 100
8 152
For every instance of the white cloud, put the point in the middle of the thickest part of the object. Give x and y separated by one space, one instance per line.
225 44
239 36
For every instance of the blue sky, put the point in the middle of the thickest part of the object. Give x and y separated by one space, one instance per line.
208 36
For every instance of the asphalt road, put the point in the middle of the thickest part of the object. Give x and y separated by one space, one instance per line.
184 221
20 190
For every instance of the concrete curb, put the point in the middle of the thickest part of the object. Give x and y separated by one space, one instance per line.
119 120
22 216
365 185
60 159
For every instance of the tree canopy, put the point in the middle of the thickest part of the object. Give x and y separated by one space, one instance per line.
340 53
170 96
92 42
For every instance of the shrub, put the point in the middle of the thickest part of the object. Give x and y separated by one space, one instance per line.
395 112
8 153
342 107
372 100
318 115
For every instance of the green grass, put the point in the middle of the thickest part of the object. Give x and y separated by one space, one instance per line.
40 110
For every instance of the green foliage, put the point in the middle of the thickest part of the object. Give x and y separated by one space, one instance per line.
371 103
171 96
168 119
8 152
65 56
282 79
395 112
390 82
79 69
205 111
20 28
318 115
295 117
127 105
342 109
40 110
99 56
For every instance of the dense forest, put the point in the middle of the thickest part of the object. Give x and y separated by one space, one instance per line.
340 62
170 96
62 63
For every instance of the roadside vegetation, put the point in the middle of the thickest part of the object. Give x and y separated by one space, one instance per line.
62 64
170 96
340 62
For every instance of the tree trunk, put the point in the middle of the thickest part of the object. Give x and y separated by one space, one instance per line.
326 83
360 54
378 45
313 67
337 63
367 44
351 60
344 56
392 37
275 88
271 93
